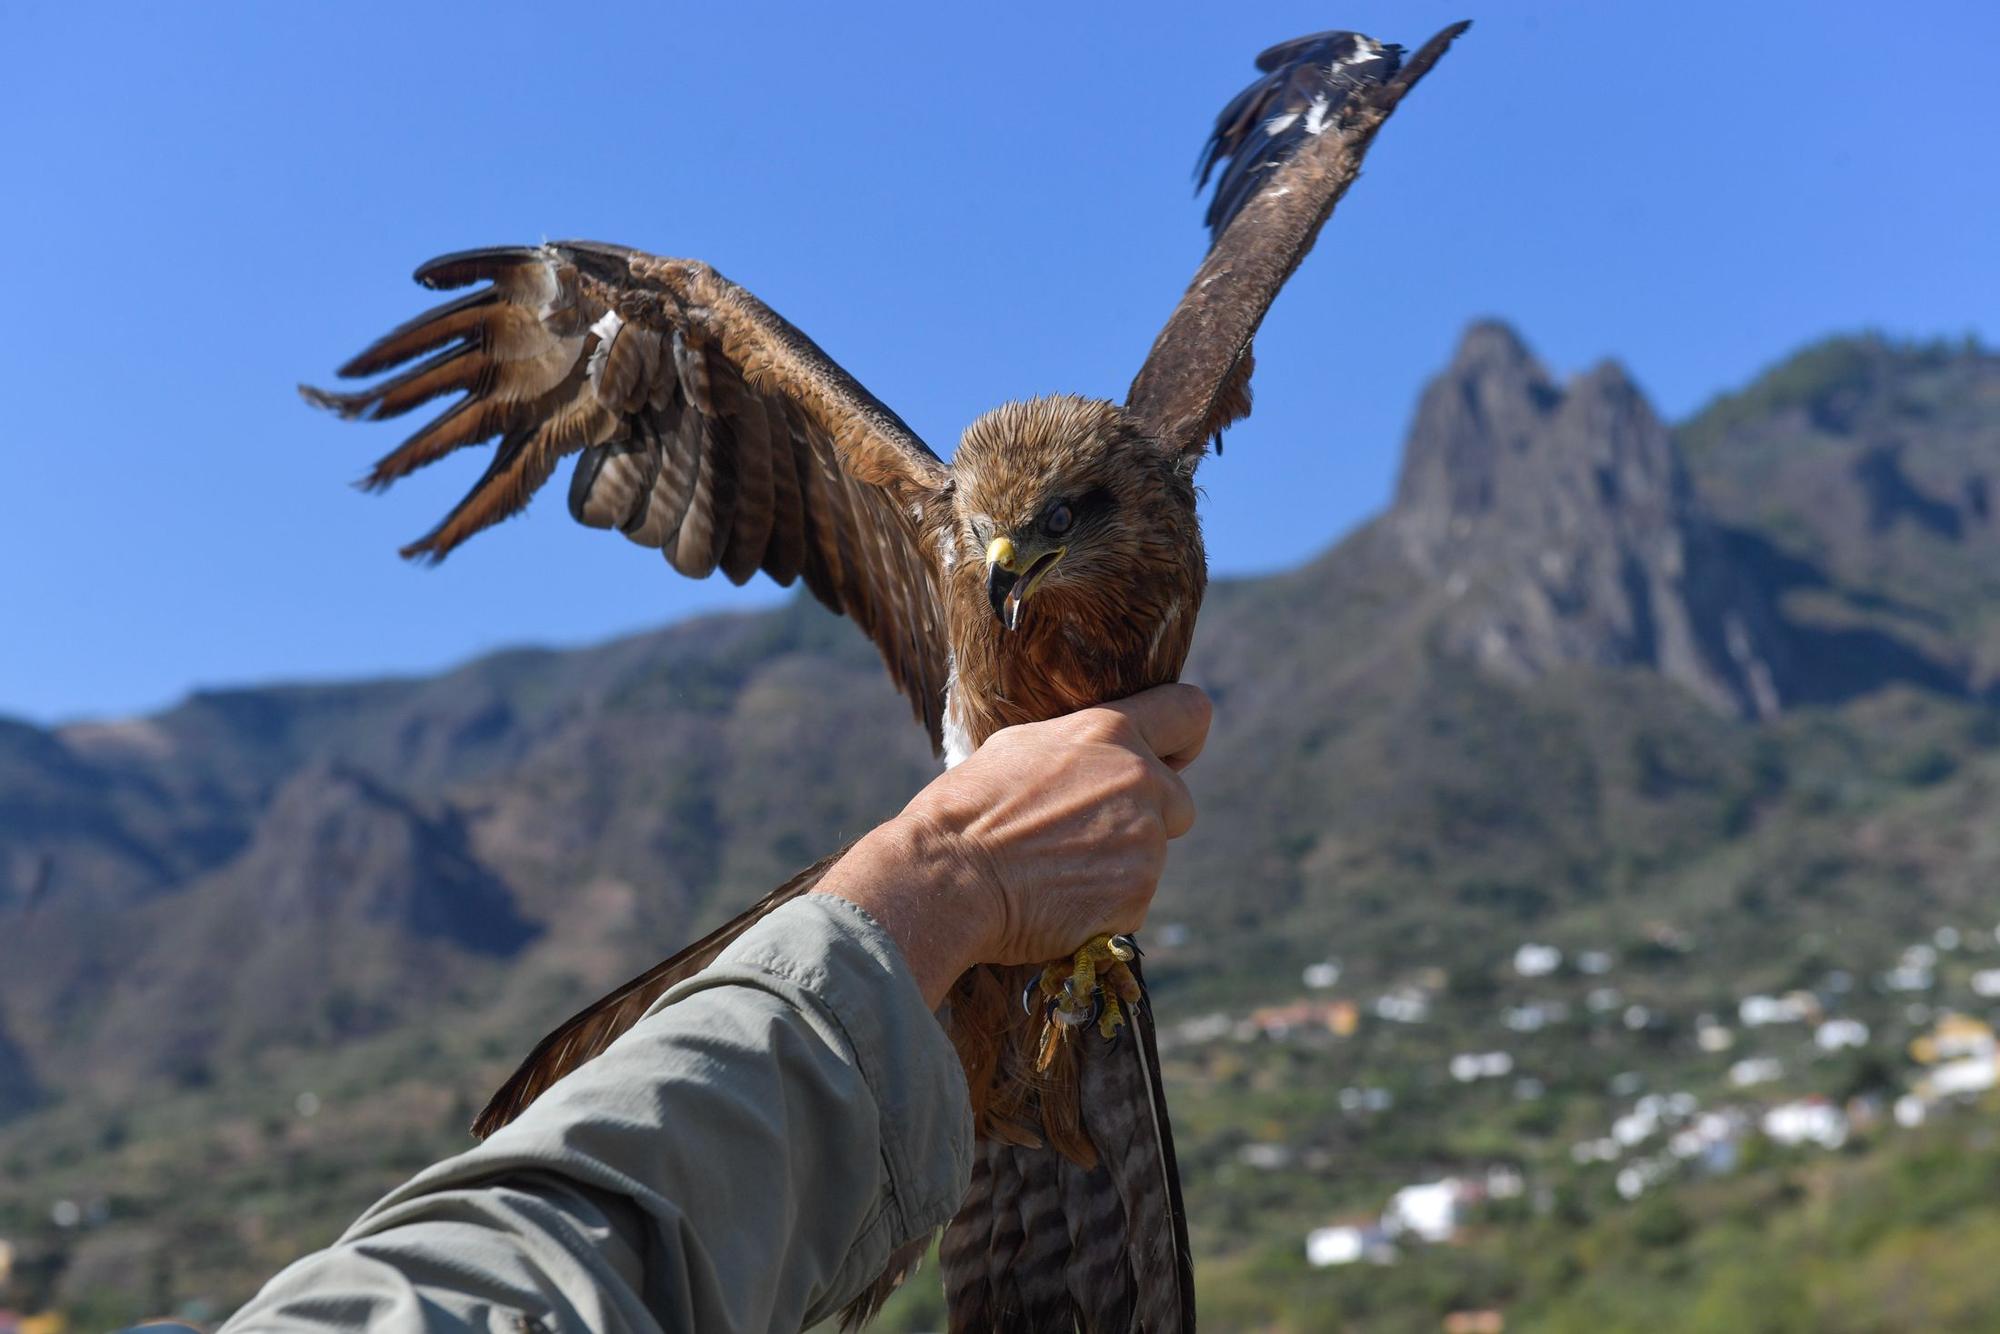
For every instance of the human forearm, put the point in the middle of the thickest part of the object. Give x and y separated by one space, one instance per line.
745 1158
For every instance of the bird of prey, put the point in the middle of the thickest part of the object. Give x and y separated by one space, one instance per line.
1056 562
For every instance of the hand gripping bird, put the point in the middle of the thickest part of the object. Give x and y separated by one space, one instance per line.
1055 563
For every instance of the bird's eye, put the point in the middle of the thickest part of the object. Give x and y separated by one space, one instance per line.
1057 521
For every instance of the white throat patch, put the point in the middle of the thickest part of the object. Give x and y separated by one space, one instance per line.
957 736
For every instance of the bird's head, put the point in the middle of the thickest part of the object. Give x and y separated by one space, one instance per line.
1067 499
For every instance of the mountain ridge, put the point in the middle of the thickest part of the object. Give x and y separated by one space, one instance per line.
1538 529
1588 677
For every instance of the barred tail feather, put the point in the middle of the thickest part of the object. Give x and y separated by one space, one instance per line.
1097 1242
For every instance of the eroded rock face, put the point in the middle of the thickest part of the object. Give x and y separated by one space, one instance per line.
1561 522
338 846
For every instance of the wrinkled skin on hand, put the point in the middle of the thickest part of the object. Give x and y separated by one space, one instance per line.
1050 834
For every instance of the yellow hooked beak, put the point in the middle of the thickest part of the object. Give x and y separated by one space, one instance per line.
1011 580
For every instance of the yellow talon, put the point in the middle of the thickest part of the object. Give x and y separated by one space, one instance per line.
1082 978
1108 1023
1096 972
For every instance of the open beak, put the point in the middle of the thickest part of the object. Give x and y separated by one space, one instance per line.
1011 580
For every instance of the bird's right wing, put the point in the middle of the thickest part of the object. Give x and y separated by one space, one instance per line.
708 428
1294 141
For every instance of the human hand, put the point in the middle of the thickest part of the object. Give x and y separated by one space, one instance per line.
1049 834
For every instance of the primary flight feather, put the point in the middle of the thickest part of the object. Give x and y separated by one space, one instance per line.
1056 562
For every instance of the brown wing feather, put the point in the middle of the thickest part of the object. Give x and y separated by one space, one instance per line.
1194 383
707 426
587 1033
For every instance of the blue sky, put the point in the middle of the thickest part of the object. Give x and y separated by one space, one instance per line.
963 204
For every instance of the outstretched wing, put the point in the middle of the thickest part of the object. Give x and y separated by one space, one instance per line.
1306 83
1293 142
707 427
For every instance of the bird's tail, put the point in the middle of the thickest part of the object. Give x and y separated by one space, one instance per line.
588 1032
1044 1241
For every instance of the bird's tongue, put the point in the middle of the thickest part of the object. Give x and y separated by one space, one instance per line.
1018 594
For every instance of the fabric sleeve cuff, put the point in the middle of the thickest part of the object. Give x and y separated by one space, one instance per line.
828 955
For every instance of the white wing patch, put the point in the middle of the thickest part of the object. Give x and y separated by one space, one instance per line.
548 285
1277 125
606 330
1316 115
1365 48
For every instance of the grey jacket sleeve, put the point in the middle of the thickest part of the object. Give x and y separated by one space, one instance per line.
745 1158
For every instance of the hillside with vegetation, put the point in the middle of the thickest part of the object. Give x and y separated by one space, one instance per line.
1591 924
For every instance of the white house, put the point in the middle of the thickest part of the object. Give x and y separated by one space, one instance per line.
1635 1127
1468 1066
1265 1157
1807 1121
1364 1098
1534 1016
1756 1070
1836 1034
1532 960
1430 1210
1587 1151
1907 977
1633 1179
1204 1027
1346 1243
1406 1005
1595 963
1969 1074
1792 1008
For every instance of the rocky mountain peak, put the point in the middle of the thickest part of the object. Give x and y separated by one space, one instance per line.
1561 524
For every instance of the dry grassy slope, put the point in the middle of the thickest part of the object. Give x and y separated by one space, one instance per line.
1876 466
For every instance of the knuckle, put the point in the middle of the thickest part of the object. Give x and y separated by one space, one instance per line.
1201 706
1135 771
1112 726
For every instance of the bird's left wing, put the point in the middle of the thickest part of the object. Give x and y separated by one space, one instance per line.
1292 143
708 427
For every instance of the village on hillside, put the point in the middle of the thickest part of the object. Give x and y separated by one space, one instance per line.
1809 1070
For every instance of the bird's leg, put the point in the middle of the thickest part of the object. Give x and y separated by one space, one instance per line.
1094 983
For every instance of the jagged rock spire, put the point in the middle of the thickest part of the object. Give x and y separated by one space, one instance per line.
1563 528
